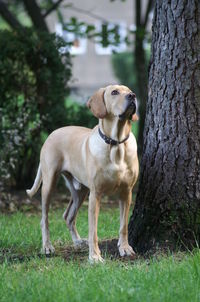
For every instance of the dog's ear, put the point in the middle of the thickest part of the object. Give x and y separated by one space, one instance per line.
97 105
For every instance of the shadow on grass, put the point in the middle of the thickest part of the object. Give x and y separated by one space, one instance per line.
108 249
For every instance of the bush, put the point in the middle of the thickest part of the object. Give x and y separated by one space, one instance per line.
33 81
79 114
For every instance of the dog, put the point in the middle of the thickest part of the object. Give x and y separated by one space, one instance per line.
98 161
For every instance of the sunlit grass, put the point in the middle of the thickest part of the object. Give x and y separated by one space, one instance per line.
56 280
21 232
169 278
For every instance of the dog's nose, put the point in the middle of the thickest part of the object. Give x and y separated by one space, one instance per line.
131 96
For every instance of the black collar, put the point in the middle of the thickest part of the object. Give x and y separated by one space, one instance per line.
111 141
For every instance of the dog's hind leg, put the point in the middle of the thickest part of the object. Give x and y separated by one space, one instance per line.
47 188
78 194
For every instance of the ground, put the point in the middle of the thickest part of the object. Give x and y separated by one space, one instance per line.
27 275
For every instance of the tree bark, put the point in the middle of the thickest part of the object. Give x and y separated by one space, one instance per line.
167 206
54 6
142 83
140 65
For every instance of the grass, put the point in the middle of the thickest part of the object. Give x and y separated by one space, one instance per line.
167 278
21 233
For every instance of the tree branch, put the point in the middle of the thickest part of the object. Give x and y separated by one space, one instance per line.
8 16
149 7
86 12
138 13
35 14
52 8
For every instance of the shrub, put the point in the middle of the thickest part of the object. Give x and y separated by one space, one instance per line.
79 114
33 88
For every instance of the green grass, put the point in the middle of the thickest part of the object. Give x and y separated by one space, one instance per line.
21 232
172 278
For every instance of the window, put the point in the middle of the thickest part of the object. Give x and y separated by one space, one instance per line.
111 33
78 44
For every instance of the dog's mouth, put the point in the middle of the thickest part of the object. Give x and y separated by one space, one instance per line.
129 112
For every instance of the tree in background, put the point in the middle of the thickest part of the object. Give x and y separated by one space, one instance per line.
136 77
167 209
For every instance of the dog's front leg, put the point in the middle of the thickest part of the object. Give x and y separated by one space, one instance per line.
93 212
124 248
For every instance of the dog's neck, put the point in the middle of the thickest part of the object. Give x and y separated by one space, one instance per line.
115 128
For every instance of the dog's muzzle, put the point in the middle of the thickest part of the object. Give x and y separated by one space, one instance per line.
130 107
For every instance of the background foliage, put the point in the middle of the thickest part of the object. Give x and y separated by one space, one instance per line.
34 77
124 67
33 81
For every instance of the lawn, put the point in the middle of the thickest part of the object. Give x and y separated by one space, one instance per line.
25 275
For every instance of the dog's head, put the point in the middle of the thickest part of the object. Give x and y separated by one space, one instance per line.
114 100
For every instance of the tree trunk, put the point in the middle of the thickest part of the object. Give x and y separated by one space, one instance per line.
9 17
34 12
142 83
140 65
167 206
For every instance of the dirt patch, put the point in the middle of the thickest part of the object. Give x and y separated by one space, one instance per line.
108 249
7 256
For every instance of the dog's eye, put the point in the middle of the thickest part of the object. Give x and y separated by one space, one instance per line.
115 92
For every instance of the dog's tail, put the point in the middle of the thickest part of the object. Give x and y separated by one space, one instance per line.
36 184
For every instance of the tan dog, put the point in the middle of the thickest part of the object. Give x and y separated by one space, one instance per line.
101 161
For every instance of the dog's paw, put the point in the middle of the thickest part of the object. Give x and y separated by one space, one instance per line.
80 243
126 250
96 259
48 249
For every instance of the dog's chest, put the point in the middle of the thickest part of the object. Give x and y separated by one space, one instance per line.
113 177
114 172
114 166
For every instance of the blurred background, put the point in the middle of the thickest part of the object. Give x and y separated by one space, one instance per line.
53 56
